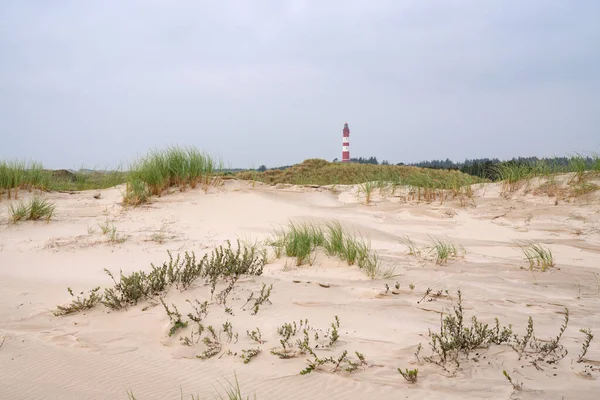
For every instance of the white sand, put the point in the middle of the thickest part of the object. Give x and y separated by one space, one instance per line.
100 354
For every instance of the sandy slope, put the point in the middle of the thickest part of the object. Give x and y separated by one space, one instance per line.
101 354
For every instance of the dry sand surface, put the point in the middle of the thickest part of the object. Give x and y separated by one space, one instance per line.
99 354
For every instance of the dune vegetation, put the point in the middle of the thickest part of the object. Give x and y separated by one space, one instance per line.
321 172
159 170
18 176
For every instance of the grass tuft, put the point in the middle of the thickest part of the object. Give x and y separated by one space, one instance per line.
536 255
32 210
159 170
443 250
301 241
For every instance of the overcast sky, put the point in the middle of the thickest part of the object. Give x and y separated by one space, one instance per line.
95 83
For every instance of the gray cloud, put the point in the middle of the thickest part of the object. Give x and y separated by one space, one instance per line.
272 82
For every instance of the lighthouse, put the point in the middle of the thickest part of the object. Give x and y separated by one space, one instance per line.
346 144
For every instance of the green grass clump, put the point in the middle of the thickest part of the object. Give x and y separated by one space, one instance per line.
301 241
513 175
578 164
537 255
443 250
367 188
32 210
12 174
175 166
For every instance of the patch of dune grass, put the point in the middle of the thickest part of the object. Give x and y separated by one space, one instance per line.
443 250
536 255
367 188
578 165
21 175
12 174
32 210
301 241
159 170
513 176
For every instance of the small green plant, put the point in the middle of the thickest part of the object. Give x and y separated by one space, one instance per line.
255 335
114 236
228 329
105 227
536 255
411 286
213 344
337 363
286 332
410 375
248 355
289 330
200 311
456 338
586 343
540 351
159 236
262 298
443 250
515 385
33 210
367 188
80 303
174 317
334 336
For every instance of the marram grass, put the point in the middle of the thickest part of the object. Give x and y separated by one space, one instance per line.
159 170
302 240
16 176
32 210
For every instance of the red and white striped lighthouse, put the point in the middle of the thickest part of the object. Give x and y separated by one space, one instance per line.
346 144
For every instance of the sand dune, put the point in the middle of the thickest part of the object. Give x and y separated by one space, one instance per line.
100 354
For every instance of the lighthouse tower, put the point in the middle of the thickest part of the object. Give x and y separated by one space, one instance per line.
346 144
